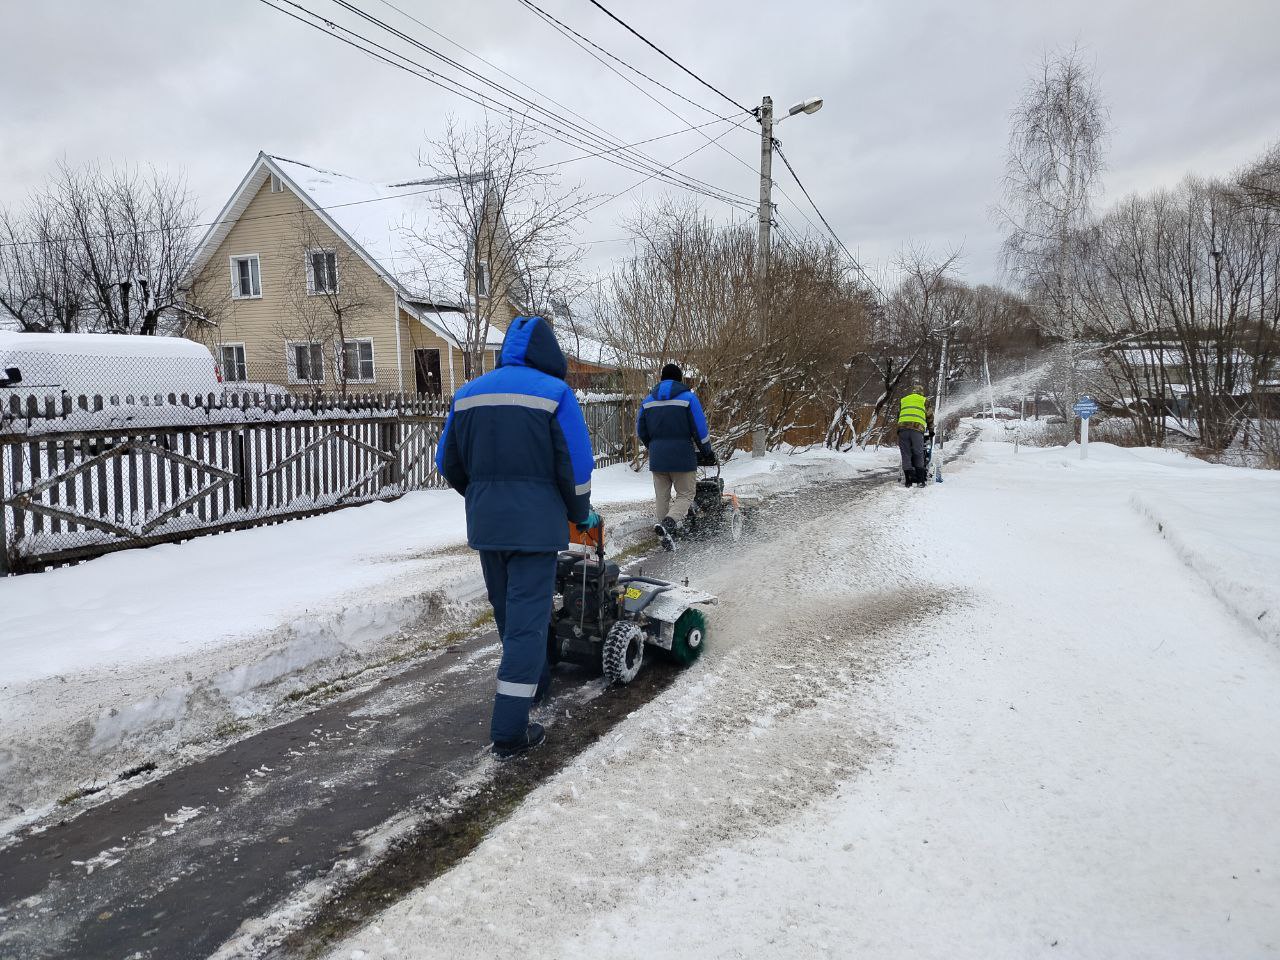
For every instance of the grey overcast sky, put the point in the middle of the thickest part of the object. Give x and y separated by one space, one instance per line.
909 146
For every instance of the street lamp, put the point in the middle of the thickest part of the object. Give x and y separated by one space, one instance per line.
812 105
765 216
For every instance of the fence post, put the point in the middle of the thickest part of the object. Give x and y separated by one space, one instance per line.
241 483
388 435
4 515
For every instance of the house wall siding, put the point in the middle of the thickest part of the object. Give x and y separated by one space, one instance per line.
274 226
415 335
277 227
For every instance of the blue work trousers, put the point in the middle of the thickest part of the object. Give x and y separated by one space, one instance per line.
521 587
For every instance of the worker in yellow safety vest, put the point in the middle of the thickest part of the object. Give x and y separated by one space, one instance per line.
914 418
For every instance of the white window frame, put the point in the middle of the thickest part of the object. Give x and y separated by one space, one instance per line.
233 262
311 276
483 279
291 360
244 361
277 185
373 360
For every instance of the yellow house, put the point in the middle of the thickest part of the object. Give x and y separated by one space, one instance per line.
311 280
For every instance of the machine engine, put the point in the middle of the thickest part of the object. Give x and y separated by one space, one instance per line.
578 583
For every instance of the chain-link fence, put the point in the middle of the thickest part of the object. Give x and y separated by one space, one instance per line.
143 378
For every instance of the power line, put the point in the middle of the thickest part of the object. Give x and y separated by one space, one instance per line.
332 206
485 102
545 96
852 259
651 176
612 56
716 90
581 131
626 146
571 34
565 27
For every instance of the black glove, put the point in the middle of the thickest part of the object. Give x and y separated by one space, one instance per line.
707 458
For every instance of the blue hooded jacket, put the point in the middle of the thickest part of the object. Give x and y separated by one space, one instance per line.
672 425
516 446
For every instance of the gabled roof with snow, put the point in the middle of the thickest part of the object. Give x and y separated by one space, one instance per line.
381 223
386 221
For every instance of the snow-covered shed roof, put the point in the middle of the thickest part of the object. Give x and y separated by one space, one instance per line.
102 345
453 322
589 350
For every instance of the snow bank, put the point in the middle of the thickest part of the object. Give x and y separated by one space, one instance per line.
996 718
1225 530
144 650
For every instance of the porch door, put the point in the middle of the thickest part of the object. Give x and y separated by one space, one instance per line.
426 371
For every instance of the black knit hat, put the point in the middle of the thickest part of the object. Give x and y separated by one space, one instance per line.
672 372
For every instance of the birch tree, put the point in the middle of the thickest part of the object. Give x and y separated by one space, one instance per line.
1056 156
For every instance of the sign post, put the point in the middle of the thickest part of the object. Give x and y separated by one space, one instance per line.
1085 408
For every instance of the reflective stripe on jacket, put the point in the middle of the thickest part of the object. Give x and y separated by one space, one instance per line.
913 413
516 446
672 426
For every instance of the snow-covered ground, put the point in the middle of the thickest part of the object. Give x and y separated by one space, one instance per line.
1030 712
113 661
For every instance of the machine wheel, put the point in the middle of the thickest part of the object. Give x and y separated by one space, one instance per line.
623 653
553 645
689 638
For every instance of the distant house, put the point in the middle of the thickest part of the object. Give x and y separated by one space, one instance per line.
314 280
1163 375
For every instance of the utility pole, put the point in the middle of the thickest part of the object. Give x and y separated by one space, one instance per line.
939 435
765 218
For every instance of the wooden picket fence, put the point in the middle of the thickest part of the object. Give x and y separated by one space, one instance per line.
86 476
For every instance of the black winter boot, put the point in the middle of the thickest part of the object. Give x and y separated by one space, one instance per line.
510 749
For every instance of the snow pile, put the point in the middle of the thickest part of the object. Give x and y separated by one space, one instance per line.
1225 531
115 659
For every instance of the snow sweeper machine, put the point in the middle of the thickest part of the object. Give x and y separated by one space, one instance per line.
604 618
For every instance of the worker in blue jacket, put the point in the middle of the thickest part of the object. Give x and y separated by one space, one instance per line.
672 426
516 446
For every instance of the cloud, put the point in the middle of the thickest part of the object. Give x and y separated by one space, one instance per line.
909 145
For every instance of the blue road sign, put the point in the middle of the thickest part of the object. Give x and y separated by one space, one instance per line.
1085 407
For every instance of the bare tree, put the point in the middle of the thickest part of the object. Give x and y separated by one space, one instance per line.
687 294
926 301
1179 293
98 250
1258 185
1056 156
328 300
505 228
39 285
